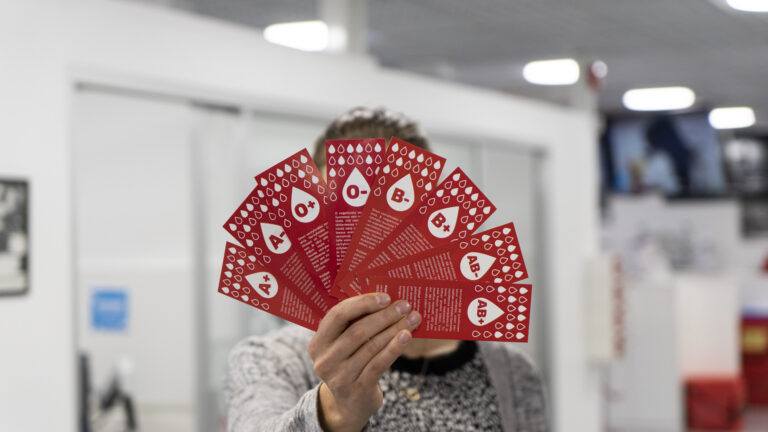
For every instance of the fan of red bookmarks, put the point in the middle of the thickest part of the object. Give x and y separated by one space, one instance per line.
383 221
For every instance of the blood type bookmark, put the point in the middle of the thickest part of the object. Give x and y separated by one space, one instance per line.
351 168
297 198
451 212
244 278
464 310
493 255
255 225
406 176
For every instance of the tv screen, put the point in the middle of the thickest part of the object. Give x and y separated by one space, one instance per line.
678 155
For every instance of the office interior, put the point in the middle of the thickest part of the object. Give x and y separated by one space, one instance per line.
133 128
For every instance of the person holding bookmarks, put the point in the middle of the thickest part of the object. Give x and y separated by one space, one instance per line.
363 370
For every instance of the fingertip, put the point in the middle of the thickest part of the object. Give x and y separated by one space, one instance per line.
404 337
414 319
383 299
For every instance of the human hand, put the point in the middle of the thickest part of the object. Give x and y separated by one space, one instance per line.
356 342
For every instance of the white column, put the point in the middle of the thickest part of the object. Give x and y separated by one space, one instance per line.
582 95
347 25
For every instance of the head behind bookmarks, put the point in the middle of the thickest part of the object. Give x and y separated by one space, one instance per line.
361 123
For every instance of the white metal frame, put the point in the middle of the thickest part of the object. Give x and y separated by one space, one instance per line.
155 88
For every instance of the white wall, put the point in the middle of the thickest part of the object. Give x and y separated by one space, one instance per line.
133 230
46 45
708 324
677 324
644 387
37 368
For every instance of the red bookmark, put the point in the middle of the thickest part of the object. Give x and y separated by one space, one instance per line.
296 200
464 310
408 173
244 278
351 166
493 255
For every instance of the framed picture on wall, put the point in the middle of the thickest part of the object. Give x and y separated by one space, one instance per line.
14 237
754 215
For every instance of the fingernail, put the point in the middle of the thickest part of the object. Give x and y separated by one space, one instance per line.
383 299
404 337
403 307
413 318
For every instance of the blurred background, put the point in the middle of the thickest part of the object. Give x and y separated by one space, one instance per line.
627 140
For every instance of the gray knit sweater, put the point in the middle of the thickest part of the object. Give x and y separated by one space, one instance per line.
271 385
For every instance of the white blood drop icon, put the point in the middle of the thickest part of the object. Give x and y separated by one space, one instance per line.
474 265
483 311
400 195
442 222
263 283
304 206
275 238
356 190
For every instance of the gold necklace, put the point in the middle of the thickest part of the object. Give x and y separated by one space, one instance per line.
412 392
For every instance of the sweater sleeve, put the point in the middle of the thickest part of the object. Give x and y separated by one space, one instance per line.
519 387
529 393
270 384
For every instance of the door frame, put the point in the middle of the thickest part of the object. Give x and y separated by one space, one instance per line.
134 86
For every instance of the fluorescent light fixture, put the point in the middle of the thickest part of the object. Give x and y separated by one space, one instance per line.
302 35
659 98
731 117
552 72
749 5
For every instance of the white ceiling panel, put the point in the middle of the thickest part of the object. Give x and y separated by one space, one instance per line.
720 53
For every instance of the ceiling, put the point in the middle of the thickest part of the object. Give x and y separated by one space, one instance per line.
720 53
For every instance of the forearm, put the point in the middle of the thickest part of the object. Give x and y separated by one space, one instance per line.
270 386
275 411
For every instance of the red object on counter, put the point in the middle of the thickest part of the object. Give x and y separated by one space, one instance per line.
715 403
754 358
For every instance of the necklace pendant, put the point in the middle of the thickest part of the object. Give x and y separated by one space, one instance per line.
412 394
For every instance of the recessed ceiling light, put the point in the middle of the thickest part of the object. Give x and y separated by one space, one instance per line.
552 72
732 117
659 98
302 35
749 5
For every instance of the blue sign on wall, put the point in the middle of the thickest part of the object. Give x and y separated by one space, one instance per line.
109 309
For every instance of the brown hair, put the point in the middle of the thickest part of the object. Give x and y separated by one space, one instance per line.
361 122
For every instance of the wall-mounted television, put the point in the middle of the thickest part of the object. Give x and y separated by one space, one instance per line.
675 154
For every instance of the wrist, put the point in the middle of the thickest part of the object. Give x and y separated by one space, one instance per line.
332 417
